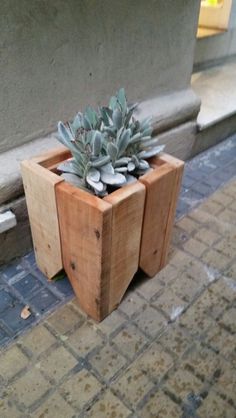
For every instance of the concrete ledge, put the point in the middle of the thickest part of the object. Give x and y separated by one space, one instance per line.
170 110
10 177
17 241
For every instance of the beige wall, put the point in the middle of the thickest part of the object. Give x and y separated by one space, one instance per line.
58 56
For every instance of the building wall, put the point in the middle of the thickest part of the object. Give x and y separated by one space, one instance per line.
218 47
58 56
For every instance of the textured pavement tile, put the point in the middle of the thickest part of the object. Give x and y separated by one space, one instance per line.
109 406
64 319
185 287
166 276
227 246
54 407
38 340
43 300
216 259
7 410
188 225
84 339
181 260
210 303
133 385
30 387
226 383
222 198
176 340
222 341
203 362
129 341
107 362
13 320
131 303
229 320
154 362
6 300
27 285
207 236
194 247
213 406
212 207
228 216
170 303
54 367
11 362
150 321
195 320
226 288
150 287
161 406
111 323
183 383
80 389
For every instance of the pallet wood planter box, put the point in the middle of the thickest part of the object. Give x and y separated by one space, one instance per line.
100 242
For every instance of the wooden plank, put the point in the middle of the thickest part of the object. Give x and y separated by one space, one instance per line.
52 157
127 216
159 192
85 226
39 185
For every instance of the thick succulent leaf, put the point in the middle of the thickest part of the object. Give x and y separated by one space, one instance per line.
122 100
145 123
96 185
135 160
147 131
113 102
75 181
121 169
113 179
143 165
123 141
108 168
135 138
93 174
65 136
78 122
91 116
110 130
122 161
87 124
106 115
112 150
97 143
69 167
151 152
99 162
130 179
131 166
146 139
117 118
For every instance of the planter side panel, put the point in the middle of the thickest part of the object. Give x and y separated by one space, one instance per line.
127 217
85 225
39 185
162 188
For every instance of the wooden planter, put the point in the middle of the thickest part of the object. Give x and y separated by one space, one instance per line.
101 243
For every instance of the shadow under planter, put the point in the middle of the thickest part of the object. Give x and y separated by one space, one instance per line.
101 243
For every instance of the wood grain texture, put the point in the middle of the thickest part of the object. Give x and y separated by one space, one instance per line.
127 217
39 184
85 225
162 188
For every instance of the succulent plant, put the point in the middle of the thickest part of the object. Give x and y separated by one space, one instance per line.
89 169
108 146
128 141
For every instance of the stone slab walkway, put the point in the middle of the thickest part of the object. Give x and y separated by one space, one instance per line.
167 351
21 283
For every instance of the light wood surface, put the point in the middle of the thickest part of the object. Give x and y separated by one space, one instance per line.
127 216
162 187
39 184
85 225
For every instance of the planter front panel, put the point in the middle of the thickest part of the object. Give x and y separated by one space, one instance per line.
162 190
39 185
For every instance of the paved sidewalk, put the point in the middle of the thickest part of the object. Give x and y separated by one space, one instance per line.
21 283
167 351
